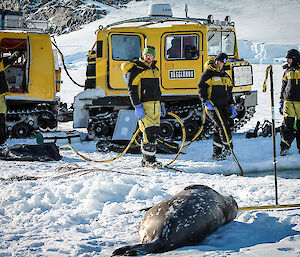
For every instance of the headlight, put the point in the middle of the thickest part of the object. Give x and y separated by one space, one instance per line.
242 75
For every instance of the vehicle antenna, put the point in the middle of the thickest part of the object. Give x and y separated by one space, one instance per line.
186 10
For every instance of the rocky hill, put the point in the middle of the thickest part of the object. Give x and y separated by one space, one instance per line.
64 15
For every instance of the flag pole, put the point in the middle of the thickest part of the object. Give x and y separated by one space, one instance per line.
270 70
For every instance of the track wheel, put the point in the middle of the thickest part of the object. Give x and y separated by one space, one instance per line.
166 129
47 122
101 129
191 128
52 124
21 130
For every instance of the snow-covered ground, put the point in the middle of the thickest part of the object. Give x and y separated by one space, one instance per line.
84 214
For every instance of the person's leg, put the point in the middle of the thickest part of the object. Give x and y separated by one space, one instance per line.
217 141
297 109
298 134
226 135
217 147
3 132
287 130
149 125
149 146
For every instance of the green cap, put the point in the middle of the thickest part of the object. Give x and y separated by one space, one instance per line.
149 50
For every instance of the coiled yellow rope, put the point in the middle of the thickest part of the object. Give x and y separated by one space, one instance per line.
130 143
268 207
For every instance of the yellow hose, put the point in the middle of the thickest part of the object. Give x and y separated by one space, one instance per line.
129 144
249 208
268 207
102 161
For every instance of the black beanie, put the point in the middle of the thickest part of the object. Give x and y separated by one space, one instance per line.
293 54
221 57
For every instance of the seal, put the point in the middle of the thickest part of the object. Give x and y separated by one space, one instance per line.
185 219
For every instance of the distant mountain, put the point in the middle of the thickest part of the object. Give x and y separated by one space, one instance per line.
263 53
64 15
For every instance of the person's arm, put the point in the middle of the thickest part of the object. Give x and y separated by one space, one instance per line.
231 100
203 86
283 85
11 59
134 79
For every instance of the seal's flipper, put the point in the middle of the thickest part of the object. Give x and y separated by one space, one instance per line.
139 249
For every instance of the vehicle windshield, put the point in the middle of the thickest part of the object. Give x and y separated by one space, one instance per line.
220 41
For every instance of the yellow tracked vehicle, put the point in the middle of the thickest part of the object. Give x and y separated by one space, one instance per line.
183 45
34 79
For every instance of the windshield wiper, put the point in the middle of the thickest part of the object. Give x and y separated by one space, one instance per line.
211 37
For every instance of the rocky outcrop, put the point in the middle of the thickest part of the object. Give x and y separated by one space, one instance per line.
64 15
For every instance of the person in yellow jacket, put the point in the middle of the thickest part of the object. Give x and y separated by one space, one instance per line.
4 89
143 80
215 91
290 102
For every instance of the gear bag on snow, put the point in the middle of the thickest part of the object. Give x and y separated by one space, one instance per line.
41 152
264 129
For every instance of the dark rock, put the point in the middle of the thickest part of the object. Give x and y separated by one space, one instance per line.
64 16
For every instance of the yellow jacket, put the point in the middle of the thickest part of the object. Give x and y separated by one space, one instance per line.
215 85
143 81
3 107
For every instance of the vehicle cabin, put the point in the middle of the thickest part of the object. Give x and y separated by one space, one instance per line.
183 45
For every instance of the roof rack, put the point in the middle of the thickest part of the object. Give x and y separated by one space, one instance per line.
158 19
161 19
159 13
12 20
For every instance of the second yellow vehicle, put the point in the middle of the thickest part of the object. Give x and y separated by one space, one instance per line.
183 45
34 79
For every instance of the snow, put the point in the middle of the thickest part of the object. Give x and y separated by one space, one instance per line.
72 212
81 118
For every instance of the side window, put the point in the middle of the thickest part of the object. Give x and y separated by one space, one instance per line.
125 47
15 73
181 47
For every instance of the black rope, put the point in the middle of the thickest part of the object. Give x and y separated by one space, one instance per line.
64 65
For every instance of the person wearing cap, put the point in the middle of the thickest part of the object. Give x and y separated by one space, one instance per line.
290 102
4 90
215 91
143 80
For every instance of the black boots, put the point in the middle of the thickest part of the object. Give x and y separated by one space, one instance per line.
148 152
220 152
284 149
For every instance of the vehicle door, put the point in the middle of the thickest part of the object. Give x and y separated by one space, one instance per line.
181 60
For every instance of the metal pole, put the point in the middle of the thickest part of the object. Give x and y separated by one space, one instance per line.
274 135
